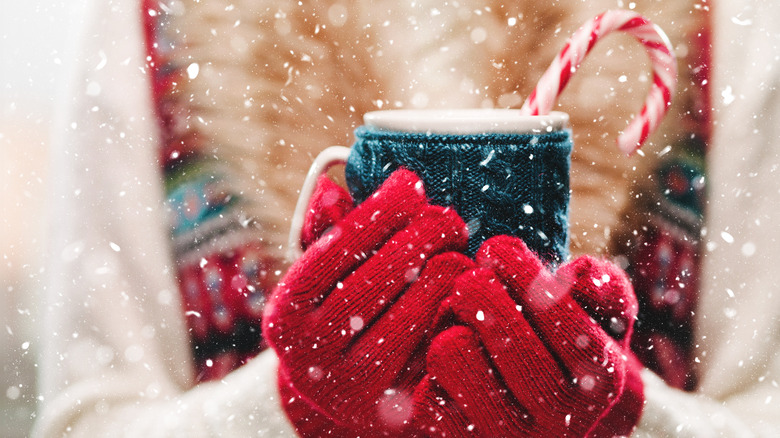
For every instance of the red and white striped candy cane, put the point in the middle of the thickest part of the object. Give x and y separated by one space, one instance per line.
581 42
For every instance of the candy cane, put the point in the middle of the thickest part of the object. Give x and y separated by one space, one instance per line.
581 42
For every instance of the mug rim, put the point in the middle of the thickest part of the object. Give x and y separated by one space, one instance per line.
465 121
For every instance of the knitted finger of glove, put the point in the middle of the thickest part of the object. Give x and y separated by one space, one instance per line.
526 359
329 203
353 309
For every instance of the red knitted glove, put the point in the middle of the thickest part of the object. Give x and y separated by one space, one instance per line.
532 356
352 311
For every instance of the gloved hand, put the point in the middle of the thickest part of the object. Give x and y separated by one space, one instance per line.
534 353
350 314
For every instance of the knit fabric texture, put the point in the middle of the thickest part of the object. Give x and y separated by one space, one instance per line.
532 352
515 184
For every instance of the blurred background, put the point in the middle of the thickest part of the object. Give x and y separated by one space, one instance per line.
35 39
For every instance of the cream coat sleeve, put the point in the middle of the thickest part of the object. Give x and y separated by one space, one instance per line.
115 360
738 319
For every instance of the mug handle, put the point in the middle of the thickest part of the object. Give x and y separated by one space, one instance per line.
325 160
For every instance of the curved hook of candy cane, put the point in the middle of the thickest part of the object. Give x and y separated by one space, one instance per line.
567 62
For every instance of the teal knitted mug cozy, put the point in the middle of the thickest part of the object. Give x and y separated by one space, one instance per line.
515 184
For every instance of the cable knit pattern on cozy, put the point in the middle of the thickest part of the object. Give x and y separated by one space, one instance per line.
479 176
